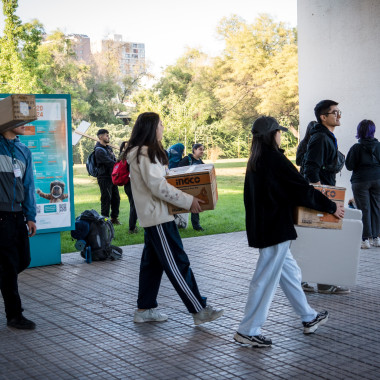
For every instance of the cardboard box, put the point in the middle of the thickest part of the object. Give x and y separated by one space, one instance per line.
197 180
17 110
307 217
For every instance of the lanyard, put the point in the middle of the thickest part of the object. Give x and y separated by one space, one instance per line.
16 166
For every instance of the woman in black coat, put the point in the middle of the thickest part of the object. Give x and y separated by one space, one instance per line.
364 161
273 187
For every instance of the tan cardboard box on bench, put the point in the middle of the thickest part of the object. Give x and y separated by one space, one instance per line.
197 180
306 217
17 110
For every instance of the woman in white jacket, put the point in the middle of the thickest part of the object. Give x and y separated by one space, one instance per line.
163 250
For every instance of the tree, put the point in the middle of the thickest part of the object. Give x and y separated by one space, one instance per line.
258 70
18 47
215 100
60 73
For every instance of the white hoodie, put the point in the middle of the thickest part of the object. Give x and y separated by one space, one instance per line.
151 192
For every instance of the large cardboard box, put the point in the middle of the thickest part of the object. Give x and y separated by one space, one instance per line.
197 180
17 110
307 217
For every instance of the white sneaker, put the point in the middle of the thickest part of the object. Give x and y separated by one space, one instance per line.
376 242
149 315
207 314
365 244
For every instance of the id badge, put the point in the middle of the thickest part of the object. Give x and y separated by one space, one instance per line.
16 170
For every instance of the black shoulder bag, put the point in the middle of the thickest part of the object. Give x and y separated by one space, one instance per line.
337 164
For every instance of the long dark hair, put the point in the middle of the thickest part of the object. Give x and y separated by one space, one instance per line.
309 128
302 146
144 134
257 147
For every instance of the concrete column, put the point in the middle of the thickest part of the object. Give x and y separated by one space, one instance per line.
339 59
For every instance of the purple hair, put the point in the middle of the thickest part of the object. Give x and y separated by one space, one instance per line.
366 129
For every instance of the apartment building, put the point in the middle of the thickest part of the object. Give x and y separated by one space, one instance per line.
81 45
131 55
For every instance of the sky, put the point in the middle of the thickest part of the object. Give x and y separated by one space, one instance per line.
167 27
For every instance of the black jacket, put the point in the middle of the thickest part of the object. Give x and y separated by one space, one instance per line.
270 195
105 160
189 160
300 155
321 152
364 160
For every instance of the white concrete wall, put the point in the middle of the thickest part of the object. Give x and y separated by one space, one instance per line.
339 59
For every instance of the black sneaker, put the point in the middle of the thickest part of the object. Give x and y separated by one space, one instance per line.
199 228
21 323
319 320
254 341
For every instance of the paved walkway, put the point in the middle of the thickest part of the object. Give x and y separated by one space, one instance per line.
85 330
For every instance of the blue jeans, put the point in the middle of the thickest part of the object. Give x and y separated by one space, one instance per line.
275 265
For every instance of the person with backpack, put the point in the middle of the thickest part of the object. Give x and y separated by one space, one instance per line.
175 153
194 158
322 162
302 146
128 190
105 161
273 188
163 248
363 159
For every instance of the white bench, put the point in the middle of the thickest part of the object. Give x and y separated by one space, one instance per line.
328 256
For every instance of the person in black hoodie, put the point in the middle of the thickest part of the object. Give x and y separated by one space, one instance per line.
109 193
302 146
322 148
319 163
364 160
273 188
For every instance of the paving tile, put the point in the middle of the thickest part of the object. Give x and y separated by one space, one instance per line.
85 330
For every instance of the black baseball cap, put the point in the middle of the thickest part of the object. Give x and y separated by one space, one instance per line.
266 124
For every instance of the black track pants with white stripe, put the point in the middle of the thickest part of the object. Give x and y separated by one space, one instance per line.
163 251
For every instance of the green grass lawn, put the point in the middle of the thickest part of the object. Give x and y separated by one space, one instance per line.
227 217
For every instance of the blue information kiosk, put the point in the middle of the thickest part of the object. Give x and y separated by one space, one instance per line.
49 139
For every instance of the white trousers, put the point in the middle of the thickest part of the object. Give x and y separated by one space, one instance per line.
275 265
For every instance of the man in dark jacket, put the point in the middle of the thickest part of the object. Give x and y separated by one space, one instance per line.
105 160
323 146
17 221
321 154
